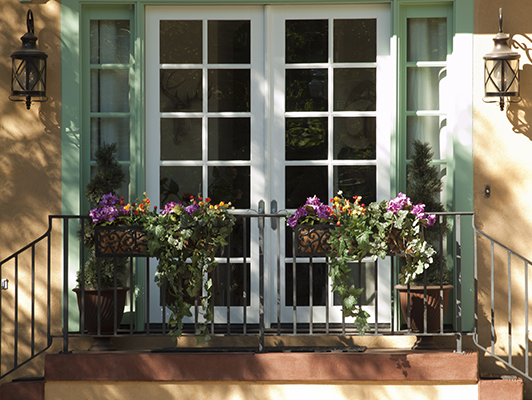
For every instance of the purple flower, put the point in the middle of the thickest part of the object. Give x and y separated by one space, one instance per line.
313 201
103 214
109 199
323 211
169 208
301 212
292 221
191 208
431 219
399 203
419 211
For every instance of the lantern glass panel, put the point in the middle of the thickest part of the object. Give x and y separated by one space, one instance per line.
27 76
501 77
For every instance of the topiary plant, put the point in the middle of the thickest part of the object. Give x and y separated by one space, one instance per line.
108 178
424 186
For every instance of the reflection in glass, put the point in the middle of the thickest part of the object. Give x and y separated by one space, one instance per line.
110 90
306 138
362 276
230 184
110 130
180 138
355 138
306 89
319 281
355 89
180 42
229 90
229 138
179 183
109 42
229 42
356 181
355 40
427 39
181 90
425 129
423 86
229 286
235 247
307 41
304 181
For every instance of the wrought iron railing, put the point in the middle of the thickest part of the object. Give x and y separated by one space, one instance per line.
502 319
38 295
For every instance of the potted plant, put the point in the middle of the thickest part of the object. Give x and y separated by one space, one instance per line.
424 185
393 227
98 276
311 223
185 239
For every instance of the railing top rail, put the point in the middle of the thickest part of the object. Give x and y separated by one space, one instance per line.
481 233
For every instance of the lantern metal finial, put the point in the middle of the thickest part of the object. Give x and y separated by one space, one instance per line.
501 71
28 73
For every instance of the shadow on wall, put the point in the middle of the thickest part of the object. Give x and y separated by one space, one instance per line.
519 113
30 141
502 147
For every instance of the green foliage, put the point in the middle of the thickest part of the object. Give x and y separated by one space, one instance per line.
109 176
107 272
184 241
380 229
424 186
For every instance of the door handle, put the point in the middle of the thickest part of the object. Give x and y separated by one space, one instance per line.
273 210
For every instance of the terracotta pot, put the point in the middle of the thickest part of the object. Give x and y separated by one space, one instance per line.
312 240
107 312
120 240
416 310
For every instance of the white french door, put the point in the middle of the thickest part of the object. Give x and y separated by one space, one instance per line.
275 103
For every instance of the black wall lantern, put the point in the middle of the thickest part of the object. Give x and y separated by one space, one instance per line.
28 76
501 71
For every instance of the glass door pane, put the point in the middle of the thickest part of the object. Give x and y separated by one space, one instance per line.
326 128
201 129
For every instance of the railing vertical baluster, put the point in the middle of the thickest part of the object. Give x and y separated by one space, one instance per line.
294 284
261 278
131 290
147 300
392 295
376 295
441 271
279 280
32 301
492 292
66 234
475 280
228 277
82 279
311 294
526 335
458 238
327 299
15 358
115 296
425 305
99 316
509 307
245 274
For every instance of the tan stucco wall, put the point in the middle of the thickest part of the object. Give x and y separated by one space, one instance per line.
30 165
257 390
502 159
30 156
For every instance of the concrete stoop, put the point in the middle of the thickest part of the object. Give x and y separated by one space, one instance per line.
374 374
